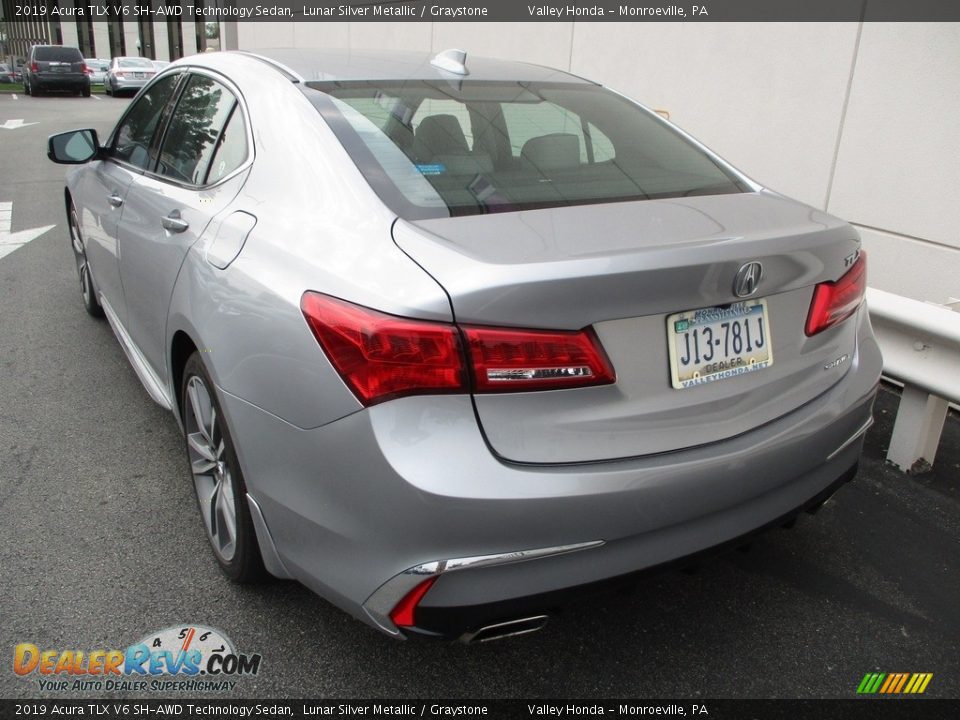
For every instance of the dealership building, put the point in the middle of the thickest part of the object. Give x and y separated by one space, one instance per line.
114 28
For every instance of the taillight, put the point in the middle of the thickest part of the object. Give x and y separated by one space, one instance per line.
403 614
507 360
34 67
834 302
87 70
382 356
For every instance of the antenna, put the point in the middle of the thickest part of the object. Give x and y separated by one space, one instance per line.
453 61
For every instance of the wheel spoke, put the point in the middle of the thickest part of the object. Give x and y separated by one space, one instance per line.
196 405
198 444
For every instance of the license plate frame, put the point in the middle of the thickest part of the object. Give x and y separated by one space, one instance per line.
680 327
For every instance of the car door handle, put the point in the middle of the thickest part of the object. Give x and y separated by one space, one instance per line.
115 200
174 223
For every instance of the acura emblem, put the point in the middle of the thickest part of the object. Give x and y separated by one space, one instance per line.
747 279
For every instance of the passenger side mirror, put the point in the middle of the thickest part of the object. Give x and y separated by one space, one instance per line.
73 148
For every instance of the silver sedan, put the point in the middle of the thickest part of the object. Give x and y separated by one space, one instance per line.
128 74
448 339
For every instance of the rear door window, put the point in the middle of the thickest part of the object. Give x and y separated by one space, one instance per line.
196 126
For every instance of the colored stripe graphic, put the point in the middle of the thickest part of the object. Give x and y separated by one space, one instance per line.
894 683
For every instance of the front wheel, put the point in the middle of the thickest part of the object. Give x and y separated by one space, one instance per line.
87 291
221 491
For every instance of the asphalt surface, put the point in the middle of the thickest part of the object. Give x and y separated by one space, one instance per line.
101 543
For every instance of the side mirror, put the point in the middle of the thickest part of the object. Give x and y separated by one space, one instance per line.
73 148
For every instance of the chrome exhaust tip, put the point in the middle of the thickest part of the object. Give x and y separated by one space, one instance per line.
511 628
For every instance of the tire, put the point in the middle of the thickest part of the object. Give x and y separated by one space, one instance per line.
26 88
106 89
86 91
88 291
218 481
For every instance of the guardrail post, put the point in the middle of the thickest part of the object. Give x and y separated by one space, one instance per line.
917 429
921 348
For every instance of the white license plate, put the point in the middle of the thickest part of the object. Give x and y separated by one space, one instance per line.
138 76
716 343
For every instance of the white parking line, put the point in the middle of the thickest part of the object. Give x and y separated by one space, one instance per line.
95 97
15 96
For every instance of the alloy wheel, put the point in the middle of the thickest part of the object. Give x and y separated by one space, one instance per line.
212 474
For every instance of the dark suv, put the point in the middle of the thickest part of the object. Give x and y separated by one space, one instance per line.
55 67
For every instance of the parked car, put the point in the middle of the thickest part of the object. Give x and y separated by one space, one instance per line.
7 75
55 67
448 340
97 69
160 64
128 74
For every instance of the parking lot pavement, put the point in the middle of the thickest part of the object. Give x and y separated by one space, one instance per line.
101 543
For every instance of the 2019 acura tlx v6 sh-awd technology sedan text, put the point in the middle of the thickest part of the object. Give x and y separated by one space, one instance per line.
447 337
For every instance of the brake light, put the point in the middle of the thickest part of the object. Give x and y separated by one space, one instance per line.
402 614
382 356
34 67
119 74
507 360
87 70
834 302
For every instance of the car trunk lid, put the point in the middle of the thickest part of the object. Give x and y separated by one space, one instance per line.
624 269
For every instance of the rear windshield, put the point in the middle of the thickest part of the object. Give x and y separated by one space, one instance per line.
57 54
437 149
135 63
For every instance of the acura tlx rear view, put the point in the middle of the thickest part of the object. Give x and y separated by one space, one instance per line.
452 339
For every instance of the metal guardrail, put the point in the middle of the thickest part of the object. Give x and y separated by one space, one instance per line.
921 348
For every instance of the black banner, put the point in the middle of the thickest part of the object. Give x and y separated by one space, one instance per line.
488 10
857 709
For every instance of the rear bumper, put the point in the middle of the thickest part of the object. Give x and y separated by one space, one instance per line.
58 81
353 505
127 84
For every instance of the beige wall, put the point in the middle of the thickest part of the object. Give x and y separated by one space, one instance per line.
862 120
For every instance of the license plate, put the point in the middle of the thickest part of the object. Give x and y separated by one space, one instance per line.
716 343
138 76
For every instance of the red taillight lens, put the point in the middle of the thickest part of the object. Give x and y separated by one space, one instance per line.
834 302
402 614
506 360
87 70
34 67
382 356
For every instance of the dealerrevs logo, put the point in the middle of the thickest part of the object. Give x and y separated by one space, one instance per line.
188 658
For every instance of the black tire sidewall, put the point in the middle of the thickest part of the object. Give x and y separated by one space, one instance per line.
92 306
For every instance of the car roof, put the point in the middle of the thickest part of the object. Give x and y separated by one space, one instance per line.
316 65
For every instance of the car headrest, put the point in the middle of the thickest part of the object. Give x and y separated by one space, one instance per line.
440 134
552 152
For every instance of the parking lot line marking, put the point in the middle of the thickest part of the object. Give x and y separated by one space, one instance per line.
95 98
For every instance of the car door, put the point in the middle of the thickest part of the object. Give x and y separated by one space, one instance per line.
102 193
199 168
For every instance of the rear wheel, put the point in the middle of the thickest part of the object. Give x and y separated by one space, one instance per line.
221 491
86 91
87 290
26 88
